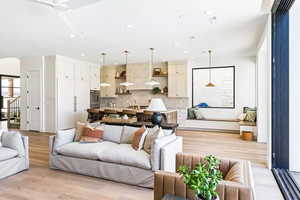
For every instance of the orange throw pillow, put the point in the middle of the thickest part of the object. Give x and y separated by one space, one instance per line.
91 135
139 138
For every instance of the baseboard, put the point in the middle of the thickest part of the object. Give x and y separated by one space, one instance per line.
208 130
288 186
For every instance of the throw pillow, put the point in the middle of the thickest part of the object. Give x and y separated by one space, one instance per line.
235 173
127 134
153 134
13 140
198 114
79 131
1 132
64 137
242 116
250 116
139 138
91 135
191 114
113 133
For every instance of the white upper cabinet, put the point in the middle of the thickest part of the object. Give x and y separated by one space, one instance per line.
177 79
82 71
65 69
139 74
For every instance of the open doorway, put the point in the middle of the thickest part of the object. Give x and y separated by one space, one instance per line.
10 100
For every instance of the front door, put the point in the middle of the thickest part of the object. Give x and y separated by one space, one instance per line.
33 101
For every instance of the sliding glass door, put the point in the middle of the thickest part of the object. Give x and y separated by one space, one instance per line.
10 90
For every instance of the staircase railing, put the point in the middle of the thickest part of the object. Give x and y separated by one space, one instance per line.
13 113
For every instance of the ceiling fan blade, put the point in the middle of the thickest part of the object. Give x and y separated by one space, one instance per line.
44 2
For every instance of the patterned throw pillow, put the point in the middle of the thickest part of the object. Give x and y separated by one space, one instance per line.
191 114
91 135
198 114
250 116
139 138
153 134
79 131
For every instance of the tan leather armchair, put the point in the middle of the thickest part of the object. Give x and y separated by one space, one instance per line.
172 183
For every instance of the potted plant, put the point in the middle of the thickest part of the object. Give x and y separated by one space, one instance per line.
204 179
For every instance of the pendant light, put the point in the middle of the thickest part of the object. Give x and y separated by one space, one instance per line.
104 84
210 84
152 82
126 83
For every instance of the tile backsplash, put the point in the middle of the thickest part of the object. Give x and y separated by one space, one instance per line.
143 97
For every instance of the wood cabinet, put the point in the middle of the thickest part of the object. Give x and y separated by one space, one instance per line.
177 79
138 74
108 76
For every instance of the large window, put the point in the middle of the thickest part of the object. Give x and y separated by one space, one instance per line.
214 87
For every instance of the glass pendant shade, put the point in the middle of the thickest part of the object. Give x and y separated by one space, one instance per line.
152 82
210 84
126 83
103 84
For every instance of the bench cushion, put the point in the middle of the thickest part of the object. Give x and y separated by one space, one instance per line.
6 153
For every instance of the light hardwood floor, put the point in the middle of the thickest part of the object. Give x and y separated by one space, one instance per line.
41 183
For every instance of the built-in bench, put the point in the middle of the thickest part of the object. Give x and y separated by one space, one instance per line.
219 125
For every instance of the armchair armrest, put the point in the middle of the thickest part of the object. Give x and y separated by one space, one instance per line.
235 191
62 137
169 183
26 148
168 155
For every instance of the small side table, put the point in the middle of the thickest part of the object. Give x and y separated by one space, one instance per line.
248 127
172 197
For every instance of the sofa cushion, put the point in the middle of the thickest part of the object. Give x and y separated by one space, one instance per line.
126 155
85 150
13 140
127 134
7 153
112 133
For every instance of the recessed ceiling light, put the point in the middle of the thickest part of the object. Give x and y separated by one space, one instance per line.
82 54
208 13
72 35
192 37
177 44
129 26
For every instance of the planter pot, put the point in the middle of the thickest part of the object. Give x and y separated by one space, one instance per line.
200 198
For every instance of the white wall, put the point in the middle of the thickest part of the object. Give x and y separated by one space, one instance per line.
294 87
10 66
264 66
245 94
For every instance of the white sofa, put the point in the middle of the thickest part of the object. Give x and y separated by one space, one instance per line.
113 158
14 155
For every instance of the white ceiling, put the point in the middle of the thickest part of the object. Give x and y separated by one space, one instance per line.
27 29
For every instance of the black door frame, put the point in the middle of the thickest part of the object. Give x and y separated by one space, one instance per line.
1 97
280 83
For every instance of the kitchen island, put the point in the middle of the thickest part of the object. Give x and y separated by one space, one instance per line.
142 115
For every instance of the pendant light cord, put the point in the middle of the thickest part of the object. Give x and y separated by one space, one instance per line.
209 51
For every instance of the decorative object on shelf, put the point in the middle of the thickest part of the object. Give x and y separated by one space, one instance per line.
210 84
103 84
204 178
126 83
156 90
152 82
157 105
157 71
123 74
125 117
